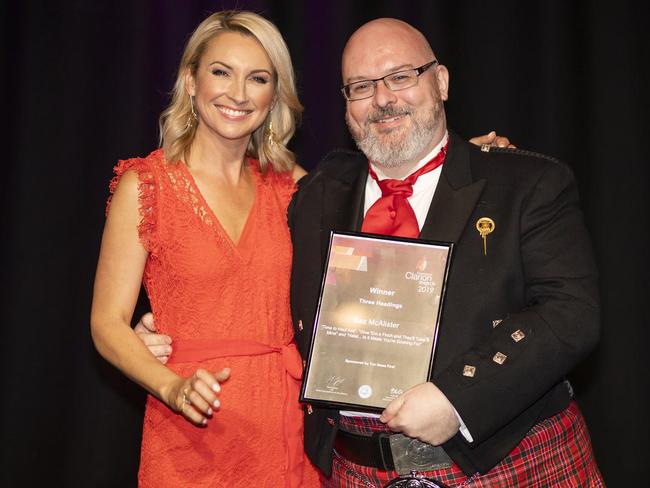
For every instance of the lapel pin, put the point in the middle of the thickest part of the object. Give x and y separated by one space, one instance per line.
485 226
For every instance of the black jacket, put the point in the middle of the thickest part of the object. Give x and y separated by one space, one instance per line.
538 277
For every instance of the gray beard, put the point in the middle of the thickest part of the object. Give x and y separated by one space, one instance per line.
393 149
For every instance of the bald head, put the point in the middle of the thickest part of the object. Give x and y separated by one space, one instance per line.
394 125
385 38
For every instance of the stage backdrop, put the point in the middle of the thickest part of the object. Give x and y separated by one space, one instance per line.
83 82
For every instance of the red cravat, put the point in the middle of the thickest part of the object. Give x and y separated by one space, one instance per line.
392 214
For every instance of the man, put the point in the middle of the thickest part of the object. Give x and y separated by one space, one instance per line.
521 307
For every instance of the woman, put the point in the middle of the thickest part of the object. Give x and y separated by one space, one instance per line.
202 222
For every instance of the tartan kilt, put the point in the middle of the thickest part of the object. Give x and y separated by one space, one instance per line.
556 452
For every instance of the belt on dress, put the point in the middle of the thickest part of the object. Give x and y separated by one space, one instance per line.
196 350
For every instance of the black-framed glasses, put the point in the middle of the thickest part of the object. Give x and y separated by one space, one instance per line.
400 80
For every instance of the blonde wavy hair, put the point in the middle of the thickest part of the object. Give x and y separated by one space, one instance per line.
176 135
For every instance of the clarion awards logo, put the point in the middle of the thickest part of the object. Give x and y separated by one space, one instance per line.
419 273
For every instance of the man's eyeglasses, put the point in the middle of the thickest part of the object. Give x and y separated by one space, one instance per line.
400 80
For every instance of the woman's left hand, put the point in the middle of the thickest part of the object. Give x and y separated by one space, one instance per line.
195 397
492 139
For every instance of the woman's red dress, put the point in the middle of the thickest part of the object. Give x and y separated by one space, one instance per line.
225 304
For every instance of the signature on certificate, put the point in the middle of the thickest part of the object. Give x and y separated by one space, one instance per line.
334 382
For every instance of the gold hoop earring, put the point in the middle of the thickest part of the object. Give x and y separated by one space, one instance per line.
271 136
192 117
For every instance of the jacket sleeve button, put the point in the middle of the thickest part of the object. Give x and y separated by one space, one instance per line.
469 371
517 335
499 358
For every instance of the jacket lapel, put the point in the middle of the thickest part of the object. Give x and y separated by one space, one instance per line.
342 203
455 197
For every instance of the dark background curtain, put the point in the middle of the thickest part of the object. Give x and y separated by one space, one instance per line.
83 82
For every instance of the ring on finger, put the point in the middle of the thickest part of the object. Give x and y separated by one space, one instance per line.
186 394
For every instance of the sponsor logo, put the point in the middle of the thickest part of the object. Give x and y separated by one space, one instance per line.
365 391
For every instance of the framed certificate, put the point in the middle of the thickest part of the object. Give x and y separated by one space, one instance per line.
377 321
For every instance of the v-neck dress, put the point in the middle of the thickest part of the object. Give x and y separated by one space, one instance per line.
224 305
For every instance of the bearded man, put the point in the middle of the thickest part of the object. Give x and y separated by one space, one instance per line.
521 305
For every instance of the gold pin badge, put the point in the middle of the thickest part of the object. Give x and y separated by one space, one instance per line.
485 226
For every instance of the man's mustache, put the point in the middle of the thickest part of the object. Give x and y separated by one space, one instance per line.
385 112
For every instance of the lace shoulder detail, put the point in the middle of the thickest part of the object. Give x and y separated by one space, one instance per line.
147 193
282 182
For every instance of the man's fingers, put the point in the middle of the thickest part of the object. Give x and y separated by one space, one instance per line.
391 410
396 425
159 351
151 340
140 329
396 422
146 324
148 321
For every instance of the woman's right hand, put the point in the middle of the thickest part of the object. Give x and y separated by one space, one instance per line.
195 397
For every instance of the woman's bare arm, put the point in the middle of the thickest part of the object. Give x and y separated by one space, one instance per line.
117 284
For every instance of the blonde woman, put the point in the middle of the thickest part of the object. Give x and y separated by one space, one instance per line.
202 221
